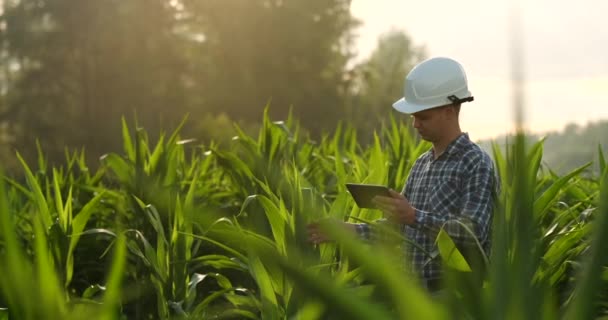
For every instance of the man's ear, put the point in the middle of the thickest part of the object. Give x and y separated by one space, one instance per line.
449 112
453 111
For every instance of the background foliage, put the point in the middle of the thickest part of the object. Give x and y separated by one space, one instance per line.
70 69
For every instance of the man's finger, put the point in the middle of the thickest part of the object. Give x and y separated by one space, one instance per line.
383 200
312 225
396 194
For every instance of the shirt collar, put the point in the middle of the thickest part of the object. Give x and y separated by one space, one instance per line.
455 146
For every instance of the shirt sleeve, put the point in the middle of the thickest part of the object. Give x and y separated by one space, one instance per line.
373 232
478 204
363 230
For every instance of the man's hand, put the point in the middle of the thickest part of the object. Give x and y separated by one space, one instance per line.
316 235
396 208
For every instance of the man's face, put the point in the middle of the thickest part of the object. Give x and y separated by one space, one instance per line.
431 123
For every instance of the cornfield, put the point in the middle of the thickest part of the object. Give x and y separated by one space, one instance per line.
170 229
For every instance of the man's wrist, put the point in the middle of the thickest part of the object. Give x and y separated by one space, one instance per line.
416 217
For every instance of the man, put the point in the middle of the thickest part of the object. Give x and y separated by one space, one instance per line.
451 186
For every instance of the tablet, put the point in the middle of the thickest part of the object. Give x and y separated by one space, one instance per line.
364 193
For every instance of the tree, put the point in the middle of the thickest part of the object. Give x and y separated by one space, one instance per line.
288 53
81 65
72 68
379 80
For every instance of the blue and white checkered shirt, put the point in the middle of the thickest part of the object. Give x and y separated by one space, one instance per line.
457 186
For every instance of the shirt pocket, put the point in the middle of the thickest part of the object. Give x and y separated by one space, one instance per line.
445 197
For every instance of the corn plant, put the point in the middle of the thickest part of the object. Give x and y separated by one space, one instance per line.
33 286
218 231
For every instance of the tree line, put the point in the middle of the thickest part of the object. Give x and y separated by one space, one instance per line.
70 69
569 148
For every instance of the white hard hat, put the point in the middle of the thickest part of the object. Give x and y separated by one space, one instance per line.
433 83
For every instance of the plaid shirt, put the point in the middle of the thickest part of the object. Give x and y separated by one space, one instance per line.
457 187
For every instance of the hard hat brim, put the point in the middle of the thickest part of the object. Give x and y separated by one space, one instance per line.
403 106
409 108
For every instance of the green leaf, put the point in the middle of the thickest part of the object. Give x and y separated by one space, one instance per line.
232 161
157 154
195 279
78 225
534 159
542 203
340 302
51 299
120 168
92 291
175 135
310 311
112 297
270 305
277 217
62 214
127 141
218 262
223 246
602 160
588 286
500 161
450 255
38 196
3 314
238 314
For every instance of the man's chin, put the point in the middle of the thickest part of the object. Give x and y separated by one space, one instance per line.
425 137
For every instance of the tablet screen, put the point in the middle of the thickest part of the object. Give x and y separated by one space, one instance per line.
364 193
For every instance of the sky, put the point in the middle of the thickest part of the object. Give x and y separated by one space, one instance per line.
564 50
